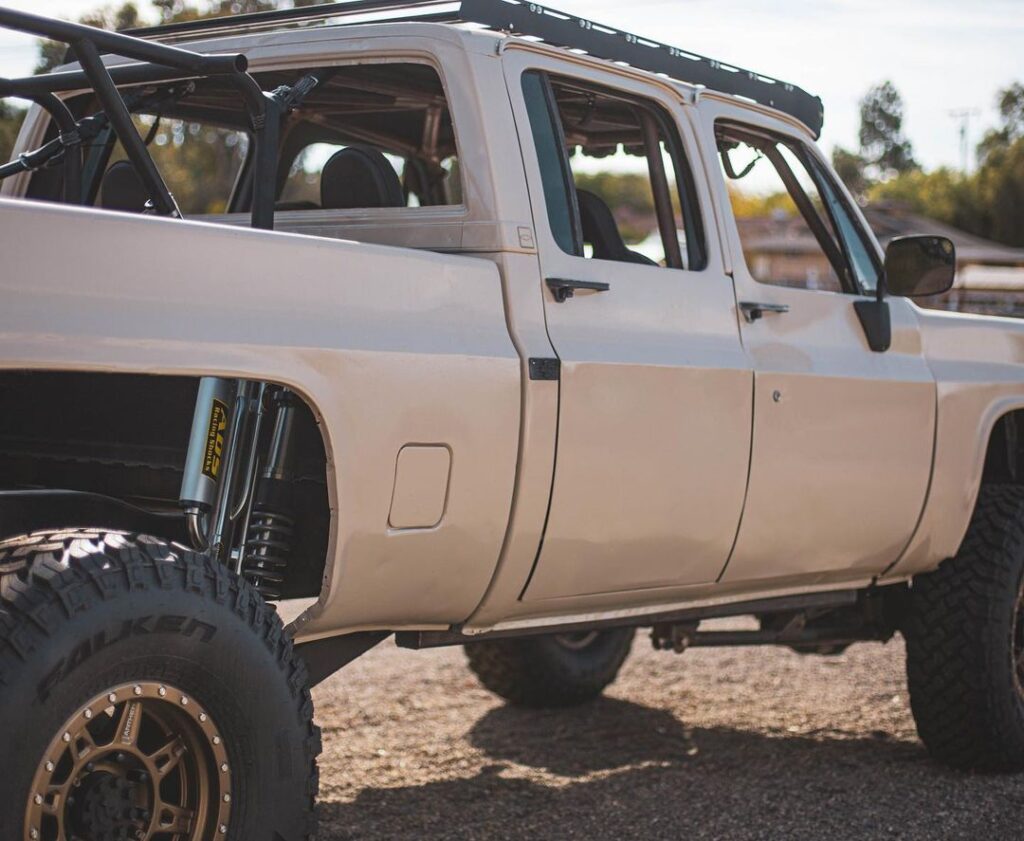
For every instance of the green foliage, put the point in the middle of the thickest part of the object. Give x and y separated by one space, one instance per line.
850 166
882 144
10 122
990 201
125 16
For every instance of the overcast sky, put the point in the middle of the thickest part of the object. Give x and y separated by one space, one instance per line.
942 55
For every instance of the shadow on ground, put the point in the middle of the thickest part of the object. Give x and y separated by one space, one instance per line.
614 770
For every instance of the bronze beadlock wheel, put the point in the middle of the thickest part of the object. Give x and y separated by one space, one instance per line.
147 693
140 761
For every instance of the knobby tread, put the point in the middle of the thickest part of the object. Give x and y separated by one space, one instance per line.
535 673
47 577
960 665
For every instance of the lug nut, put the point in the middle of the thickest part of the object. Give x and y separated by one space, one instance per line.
162 691
137 690
49 765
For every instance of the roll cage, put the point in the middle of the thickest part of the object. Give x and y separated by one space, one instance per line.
149 63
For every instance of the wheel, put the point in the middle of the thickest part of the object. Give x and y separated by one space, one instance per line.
965 642
557 670
146 692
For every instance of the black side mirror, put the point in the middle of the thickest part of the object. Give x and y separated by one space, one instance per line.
919 265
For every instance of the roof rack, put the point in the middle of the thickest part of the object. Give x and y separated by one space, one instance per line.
553 27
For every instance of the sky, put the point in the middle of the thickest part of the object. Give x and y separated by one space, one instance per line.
942 55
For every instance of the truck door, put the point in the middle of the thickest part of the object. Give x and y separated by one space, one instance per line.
655 389
843 435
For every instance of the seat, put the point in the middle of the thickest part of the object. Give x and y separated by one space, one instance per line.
122 189
359 176
601 232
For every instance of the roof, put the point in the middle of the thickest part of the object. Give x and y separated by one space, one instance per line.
532 20
781 233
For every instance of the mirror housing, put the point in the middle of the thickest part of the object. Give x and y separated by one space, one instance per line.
916 266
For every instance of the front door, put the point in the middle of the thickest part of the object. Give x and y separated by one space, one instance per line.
843 435
655 390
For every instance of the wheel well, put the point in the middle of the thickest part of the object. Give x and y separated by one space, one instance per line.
1004 458
89 449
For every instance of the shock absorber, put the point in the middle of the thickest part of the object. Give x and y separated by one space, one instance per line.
204 461
271 526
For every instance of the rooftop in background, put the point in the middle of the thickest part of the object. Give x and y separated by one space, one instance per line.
516 17
783 234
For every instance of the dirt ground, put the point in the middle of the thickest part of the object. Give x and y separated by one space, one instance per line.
713 744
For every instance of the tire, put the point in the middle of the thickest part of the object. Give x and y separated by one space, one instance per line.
133 655
965 642
556 670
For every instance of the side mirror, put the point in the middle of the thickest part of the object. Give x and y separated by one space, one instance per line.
919 265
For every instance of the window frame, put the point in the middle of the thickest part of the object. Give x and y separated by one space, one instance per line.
823 181
697 249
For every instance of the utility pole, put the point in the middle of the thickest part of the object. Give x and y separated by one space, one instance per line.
963 116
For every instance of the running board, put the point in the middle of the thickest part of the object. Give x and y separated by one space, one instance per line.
833 599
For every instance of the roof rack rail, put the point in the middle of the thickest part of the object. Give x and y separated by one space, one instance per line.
554 27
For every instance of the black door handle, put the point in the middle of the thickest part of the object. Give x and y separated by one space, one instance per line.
752 310
563 288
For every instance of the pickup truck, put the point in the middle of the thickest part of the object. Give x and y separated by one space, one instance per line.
316 329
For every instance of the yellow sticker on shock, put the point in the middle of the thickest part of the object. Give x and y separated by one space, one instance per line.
215 439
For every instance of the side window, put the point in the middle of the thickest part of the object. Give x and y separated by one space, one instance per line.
795 228
367 136
616 184
370 136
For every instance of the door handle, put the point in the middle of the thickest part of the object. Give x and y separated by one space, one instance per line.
752 310
563 288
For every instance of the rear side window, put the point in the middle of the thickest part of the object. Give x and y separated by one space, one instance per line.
371 135
616 184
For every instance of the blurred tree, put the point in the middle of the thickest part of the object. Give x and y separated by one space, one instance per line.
883 147
1010 103
849 167
125 16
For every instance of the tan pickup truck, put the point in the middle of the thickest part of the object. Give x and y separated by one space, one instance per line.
319 326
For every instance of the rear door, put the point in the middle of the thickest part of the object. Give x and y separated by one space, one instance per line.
843 435
655 392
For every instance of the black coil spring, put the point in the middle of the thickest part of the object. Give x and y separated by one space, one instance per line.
267 551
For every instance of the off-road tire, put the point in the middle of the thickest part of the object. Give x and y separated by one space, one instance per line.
81 611
964 633
542 671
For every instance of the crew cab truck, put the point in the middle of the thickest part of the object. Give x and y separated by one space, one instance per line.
314 331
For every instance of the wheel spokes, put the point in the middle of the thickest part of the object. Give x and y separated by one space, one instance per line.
166 759
127 732
170 818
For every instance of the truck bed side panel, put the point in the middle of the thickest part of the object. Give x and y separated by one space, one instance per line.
391 347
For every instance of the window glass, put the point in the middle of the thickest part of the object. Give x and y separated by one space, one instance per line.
795 227
551 159
199 162
859 253
391 120
634 196
785 231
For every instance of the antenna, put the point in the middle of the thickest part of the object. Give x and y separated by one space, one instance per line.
963 115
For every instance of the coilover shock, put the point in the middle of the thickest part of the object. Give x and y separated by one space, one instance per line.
271 525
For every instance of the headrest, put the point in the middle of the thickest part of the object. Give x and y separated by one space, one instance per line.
600 230
122 188
359 176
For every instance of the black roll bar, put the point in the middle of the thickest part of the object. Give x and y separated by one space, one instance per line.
160 62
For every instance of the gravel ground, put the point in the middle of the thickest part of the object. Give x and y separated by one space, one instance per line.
713 744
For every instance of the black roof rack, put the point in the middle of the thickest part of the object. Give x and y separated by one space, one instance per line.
553 27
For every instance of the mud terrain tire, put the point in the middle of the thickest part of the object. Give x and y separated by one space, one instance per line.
550 671
965 642
87 616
